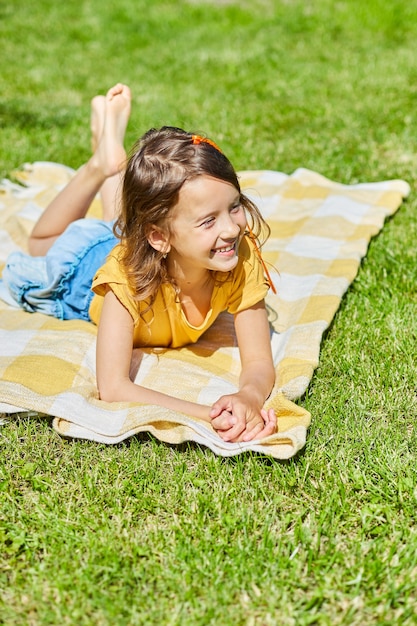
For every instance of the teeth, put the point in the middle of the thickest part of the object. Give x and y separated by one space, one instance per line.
225 249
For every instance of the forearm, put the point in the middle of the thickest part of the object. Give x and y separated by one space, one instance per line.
127 391
113 366
253 335
257 378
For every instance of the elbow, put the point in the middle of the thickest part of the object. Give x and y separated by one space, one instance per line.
117 389
106 395
108 392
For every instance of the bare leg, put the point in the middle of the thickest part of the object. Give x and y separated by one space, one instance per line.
110 189
108 160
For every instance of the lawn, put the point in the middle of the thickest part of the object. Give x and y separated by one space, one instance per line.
146 534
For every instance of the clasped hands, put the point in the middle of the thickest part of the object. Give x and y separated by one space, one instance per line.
240 417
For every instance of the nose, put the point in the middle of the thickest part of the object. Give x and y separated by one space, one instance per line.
229 228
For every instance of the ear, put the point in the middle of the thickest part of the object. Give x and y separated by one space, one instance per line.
158 239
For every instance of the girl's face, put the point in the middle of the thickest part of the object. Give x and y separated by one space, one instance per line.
207 225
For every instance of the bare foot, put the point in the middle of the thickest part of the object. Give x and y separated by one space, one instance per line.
110 115
98 113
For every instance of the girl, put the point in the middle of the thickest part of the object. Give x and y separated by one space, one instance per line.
182 256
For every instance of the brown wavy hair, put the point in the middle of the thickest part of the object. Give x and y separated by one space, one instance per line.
161 162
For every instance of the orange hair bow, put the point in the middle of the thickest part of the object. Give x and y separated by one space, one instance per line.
197 139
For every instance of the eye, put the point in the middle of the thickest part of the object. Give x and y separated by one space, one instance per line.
208 222
236 207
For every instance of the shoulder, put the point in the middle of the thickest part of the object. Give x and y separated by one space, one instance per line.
111 276
112 268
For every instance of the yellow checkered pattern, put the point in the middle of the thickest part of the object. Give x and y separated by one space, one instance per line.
320 233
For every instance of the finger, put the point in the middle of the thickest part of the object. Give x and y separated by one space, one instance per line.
253 433
222 404
215 410
261 430
270 418
224 421
270 426
233 433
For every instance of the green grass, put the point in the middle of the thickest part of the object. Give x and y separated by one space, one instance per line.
142 533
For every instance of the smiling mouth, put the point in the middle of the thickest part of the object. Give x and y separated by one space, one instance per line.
225 249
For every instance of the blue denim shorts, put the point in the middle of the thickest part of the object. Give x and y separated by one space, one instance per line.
59 284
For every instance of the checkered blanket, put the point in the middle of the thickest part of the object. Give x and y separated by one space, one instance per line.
320 233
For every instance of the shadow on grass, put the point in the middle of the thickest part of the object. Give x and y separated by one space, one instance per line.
13 114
